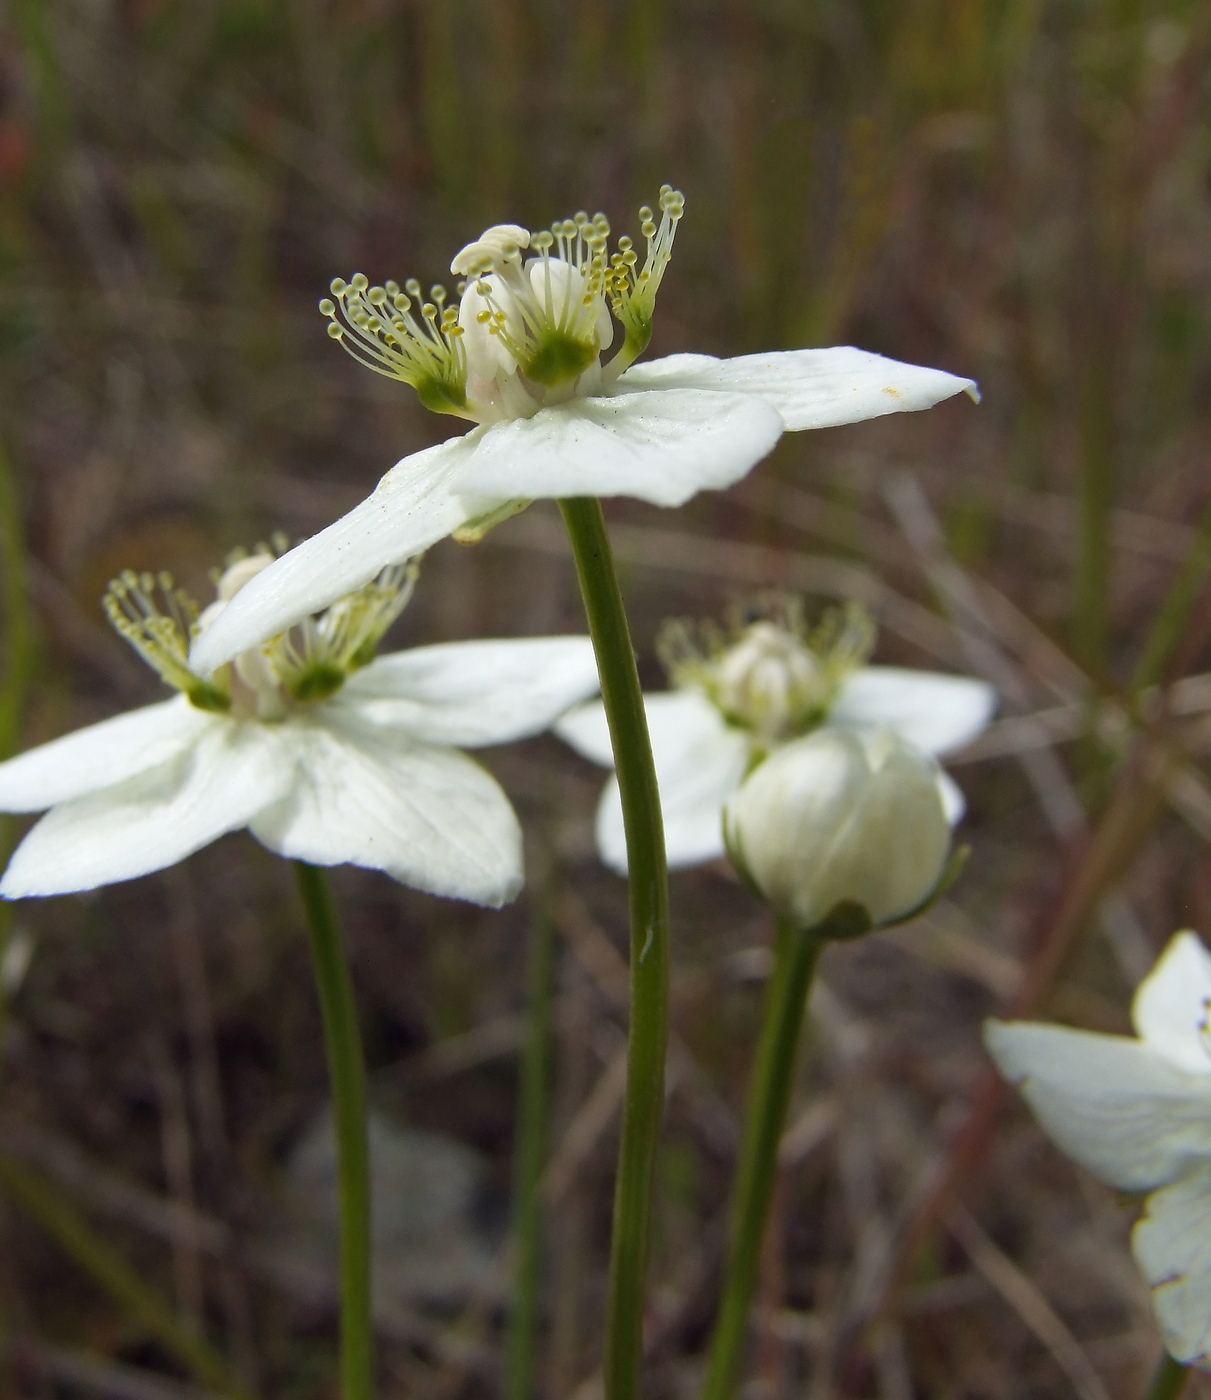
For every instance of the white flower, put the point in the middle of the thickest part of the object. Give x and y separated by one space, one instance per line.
325 753
841 817
520 356
1137 1114
736 701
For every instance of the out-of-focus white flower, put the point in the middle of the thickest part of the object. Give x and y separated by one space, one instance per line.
520 355
326 753
1137 1114
743 692
841 817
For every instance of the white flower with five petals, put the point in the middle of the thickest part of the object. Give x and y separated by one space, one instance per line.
736 700
521 357
1137 1114
324 752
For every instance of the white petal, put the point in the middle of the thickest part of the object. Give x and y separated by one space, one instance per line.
936 712
1172 1246
809 388
1170 1009
699 764
413 507
587 730
100 755
954 804
1108 1101
429 817
662 447
473 693
155 819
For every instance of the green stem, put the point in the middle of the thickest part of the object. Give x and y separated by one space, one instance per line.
1169 1379
113 1274
530 1155
347 1070
795 954
644 1105
19 654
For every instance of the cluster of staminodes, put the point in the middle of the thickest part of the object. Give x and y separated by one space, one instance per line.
546 313
307 663
768 671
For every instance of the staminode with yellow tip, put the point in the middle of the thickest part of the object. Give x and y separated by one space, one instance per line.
523 353
325 751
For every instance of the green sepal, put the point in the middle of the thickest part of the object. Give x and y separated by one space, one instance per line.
472 531
950 873
851 919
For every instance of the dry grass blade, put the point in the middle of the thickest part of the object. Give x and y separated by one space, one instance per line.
1029 1304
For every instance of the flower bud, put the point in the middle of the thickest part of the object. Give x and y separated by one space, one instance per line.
841 817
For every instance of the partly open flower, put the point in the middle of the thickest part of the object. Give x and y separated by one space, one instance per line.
520 354
843 828
1137 1114
741 692
325 752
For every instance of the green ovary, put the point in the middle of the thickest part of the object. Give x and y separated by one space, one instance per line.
560 358
318 682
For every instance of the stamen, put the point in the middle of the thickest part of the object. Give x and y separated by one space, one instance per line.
314 659
158 620
631 294
547 314
768 672
382 331
535 324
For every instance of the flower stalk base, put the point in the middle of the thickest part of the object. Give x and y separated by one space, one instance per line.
347 1071
795 954
644 1104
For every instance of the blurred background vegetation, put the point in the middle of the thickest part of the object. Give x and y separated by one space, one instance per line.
1017 190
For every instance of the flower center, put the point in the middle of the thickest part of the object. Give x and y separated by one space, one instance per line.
769 674
528 331
308 663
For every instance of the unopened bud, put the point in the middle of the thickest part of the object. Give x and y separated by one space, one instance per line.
844 827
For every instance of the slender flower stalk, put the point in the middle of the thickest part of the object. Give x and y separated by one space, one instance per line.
795 953
841 831
644 1103
530 1155
347 1072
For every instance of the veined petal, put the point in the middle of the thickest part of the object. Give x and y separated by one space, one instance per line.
1108 1101
101 755
430 817
661 446
809 388
474 693
1172 1246
155 819
938 713
1170 1010
700 762
411 508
